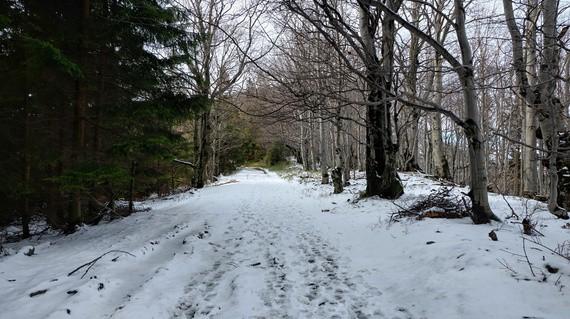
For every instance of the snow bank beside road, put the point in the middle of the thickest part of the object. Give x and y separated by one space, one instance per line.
254 245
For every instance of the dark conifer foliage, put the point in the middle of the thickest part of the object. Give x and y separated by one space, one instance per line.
89 100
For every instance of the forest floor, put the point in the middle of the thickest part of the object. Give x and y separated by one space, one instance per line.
257 245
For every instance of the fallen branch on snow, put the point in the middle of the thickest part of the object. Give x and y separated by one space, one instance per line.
440 203
90 264
225 183
526 257
559 251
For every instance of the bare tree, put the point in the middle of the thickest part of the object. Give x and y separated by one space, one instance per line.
222 48
530 174
382 178
482 212
541 96
441 28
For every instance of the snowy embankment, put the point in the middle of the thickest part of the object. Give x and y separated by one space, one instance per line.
259 246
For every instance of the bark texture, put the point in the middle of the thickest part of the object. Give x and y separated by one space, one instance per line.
542 96
441 166
381 176
482 212
530 174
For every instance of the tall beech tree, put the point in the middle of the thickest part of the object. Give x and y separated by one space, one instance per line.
381 176
540 94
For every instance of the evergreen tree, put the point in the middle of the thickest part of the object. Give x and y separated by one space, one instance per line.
92 92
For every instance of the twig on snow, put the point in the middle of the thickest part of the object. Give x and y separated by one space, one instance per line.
511 207
513 214
225 183
92 262
549 249
526 256
504 264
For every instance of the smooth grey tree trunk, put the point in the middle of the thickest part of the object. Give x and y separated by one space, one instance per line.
550 119
482 212
530 174
313 165
440 164
542 96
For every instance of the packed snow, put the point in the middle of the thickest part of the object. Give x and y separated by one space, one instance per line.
257 245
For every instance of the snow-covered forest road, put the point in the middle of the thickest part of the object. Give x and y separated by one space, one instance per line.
258 246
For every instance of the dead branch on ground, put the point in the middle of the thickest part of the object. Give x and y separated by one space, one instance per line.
91 263
440 203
